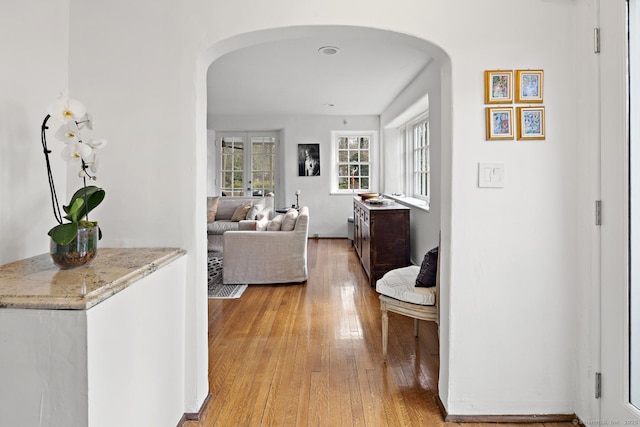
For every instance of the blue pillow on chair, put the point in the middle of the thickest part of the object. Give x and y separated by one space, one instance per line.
428 270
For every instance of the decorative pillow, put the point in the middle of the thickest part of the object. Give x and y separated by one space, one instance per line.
261 222
253 212
428 270
289 220
241 212
212 208
276 223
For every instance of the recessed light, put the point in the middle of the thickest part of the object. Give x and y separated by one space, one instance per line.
329 50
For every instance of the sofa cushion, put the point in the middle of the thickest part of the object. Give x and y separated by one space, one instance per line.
428 270
241 211
212 208
289 220
220 226
276 223
226 207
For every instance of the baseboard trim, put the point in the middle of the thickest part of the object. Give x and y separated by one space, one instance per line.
532 418
194 416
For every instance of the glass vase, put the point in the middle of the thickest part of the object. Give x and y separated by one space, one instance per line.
79 252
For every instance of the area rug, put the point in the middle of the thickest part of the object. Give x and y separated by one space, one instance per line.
217 290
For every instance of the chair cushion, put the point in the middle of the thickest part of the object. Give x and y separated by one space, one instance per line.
400 284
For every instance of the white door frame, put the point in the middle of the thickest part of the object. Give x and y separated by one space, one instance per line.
614 348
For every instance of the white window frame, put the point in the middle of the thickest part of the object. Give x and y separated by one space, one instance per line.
247 141
373 145
413 174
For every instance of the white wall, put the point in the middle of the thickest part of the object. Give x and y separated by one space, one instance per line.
328 212
510 263
34 42
43 358
423 90
135 352
513 264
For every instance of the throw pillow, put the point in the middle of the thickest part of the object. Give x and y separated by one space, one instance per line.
253 212
212 208
428 270
261 222
241 212
289 220
276 223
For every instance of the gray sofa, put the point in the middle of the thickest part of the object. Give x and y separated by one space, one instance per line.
219 218
260 257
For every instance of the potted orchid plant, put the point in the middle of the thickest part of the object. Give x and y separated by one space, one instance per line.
74 243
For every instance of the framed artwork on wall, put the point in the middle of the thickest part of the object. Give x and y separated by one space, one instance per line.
530 122
499 123
308 159
498 86
529 85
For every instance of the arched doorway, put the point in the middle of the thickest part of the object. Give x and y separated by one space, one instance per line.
440 106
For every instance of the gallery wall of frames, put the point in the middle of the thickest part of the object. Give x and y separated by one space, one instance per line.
514 110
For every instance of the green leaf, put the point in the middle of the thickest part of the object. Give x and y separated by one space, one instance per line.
94 196
75 211
63 234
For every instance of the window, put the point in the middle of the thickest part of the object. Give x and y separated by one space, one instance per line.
247 163
232 169
417 140
263 159
353 161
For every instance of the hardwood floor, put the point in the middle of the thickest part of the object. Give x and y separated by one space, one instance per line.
310 355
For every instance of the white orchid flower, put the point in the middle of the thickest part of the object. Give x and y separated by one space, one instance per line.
76 151
97 144
94 165
65 108
68 132
86 122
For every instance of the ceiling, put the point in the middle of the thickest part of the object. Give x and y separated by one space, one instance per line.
290 77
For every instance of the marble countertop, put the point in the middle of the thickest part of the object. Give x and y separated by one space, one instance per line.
36 283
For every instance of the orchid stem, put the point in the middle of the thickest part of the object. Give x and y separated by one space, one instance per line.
52 188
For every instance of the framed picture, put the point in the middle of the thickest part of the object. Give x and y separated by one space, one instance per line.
530 122
499 123
529 85
308 159
498 86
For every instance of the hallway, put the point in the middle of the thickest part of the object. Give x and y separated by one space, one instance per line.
310 355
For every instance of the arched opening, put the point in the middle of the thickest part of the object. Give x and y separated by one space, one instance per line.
440 111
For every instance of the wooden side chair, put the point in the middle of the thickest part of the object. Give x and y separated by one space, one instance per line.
399 294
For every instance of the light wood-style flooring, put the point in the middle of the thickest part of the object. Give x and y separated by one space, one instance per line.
310 355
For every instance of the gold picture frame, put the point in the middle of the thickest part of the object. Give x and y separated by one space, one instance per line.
499 123
529 86
531 122
498 86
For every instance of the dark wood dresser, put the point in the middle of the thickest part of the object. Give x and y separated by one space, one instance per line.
381 237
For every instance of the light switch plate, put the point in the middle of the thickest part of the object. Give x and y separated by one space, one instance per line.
491 175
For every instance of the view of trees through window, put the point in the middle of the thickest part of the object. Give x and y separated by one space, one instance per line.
232 166
238 157
353 162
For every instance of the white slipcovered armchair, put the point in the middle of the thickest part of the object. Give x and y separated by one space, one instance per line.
259 257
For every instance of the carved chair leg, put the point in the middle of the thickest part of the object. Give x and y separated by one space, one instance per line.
415 327
385 332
